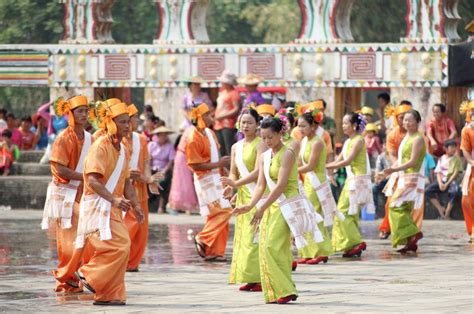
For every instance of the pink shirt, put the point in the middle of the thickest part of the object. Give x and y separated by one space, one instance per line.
17 137
374 146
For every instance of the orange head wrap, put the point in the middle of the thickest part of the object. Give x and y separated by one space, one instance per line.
391 111
132 110
266 109
465 108
62 107
196 114
107 111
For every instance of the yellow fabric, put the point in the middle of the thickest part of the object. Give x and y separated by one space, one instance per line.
66 107
367 110
318 104
197 113
132 110
391 111
266 109
107 111
465 108
291 189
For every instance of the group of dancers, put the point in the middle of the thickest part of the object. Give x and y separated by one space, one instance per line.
278 186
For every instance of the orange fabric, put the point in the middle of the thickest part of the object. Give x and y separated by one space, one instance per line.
66 151
467 144
101 159
394 139
198 149
225 104
385 225
141 189
105 271
68 261
297 136
216 230
416 214
138 234
98 134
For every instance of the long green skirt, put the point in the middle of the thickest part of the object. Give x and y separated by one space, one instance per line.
245 266
402 224
316 249
345 234
275 256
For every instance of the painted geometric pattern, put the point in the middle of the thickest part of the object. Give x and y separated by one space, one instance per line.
361 66
23 68
261 64
117 67
210 66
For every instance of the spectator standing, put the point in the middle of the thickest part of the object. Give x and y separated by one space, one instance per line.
251 82
227 110
194 96
440 129
447 173
40 129
162 155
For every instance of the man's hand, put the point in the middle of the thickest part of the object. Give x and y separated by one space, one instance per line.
122 203
135 175
138 211
157 177
224 161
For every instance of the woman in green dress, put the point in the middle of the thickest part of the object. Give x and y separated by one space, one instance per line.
408 195
357 190
275 256
243 176
313 166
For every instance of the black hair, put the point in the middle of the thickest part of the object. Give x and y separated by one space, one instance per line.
290 117
384 96
155 119
10 115
275 124
448 143
441 107
7 133
356 119
253 113
26 119
148 109
308 117
324 102
415 114
3 111
406 102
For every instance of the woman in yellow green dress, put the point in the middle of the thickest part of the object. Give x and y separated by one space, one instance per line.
243 176
313 166
408 195
357 190
275 256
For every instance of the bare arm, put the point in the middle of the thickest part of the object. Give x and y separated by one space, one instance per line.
341 162
257 194
316 149
253 176
99 188
415 154
129 193
69 174
468 157
211 165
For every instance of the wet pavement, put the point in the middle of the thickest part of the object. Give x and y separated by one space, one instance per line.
172 278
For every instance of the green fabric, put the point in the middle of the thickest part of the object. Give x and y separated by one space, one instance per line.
401 221
324 248
245 265
346 234
16 152
291 189
275 255
455 165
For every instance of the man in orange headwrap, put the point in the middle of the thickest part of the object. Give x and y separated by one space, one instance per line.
140 175
100 125
394 139
108 192
467 147
65 191
202 153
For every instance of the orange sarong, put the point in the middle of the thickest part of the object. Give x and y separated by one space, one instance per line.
138 236
216 230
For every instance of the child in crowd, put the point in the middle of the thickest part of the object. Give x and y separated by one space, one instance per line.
9 152
372 142
430 165
447 173
28 137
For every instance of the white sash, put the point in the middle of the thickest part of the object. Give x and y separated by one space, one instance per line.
208 187
239 161
298 214
60 198
467 176
95 211
133 164
359 187
323 191
415 191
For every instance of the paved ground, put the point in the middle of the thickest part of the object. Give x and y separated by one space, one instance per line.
172 279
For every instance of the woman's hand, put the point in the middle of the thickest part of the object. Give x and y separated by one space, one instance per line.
228 181
257 217
228 191
241 210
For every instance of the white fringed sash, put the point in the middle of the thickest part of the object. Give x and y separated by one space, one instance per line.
239 161
298 213
359 187
95 211
323 191
133 164
410 186
208 187
60 197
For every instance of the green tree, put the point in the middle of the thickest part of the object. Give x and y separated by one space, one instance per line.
135 22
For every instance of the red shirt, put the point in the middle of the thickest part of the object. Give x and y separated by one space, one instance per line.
225 104
440 130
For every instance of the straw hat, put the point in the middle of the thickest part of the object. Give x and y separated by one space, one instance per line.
250 79
162 129
228 78
371 127
366 110
195 80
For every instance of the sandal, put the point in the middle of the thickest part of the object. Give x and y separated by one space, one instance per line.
384 235
71 283
84 282
116 302
200 249
215 259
